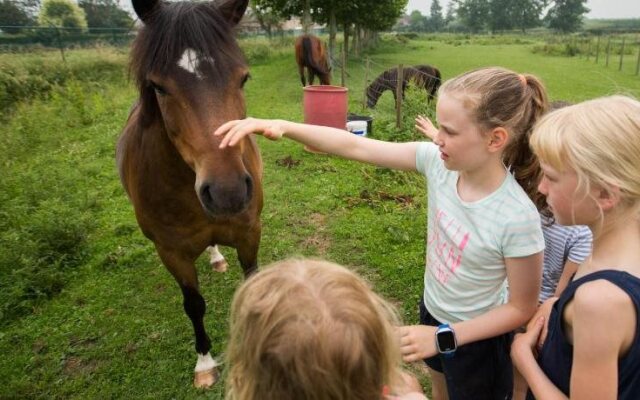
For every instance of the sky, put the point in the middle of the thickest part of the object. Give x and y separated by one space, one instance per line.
599 8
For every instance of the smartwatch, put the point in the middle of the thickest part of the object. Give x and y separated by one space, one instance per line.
446 340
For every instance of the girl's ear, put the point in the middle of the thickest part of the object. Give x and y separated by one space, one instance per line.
608 198
497 139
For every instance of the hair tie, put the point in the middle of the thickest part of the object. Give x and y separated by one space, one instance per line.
523 79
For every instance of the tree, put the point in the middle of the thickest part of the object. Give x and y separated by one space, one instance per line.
417 21
500 15
62 14
13 14
436 21
566 15
473 13
451 13
105 14
266 17
526 13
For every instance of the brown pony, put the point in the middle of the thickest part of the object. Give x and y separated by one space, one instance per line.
188 195
311 53
424 76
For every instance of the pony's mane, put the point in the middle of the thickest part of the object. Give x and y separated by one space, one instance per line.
174 27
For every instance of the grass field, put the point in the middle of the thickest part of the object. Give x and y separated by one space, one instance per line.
88 311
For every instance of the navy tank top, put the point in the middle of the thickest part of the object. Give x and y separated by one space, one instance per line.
556 357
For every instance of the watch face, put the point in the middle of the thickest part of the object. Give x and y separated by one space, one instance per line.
446 341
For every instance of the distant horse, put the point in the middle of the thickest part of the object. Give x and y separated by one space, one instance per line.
188 195
311 53
424 76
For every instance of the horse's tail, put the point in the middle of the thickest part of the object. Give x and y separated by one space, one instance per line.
309 59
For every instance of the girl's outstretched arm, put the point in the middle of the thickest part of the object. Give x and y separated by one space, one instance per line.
330 140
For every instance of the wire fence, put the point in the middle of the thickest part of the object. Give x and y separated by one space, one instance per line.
621 51
30 37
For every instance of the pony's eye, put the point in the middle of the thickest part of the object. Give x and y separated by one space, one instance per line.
159 89
244 80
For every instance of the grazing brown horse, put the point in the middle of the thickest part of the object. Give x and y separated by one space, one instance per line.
424 76
188 195
311 53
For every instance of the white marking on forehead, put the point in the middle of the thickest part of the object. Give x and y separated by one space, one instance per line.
190 62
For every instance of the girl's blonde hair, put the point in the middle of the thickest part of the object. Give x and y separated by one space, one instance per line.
600 140
305 329
498 97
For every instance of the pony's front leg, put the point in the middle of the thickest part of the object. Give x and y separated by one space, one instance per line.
216 259
248 251
183 270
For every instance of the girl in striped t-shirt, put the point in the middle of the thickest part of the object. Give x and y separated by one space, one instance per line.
482 227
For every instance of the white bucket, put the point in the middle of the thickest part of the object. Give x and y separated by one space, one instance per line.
357 127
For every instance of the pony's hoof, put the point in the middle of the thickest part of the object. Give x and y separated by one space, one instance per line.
205 379
220 266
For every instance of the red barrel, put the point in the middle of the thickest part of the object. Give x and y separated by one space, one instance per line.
325 105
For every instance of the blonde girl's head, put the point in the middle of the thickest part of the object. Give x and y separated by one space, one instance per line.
305 329
599 140
497 97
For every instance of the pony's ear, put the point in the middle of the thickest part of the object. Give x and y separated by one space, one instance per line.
144 8
233 10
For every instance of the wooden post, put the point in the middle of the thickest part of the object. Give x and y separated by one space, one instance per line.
344 67
606 63
366 83
598 49
399 96
621 54
589 49
638 62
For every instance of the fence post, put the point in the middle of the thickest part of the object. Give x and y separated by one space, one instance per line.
366 83
399 82
589 49
606 64
344 66
621 54
598 49
638 62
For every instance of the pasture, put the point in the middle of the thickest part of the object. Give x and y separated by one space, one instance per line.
88 310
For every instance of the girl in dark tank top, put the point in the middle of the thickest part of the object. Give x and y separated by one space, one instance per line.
590 336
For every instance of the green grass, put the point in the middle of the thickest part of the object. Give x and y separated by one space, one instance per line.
112 325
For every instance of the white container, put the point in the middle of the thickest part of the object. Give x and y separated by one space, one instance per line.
357 127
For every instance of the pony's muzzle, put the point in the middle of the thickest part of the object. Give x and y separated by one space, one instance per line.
220 198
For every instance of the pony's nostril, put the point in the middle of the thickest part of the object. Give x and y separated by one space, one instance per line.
249 183
205 193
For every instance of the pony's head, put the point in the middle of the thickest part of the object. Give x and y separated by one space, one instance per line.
190 73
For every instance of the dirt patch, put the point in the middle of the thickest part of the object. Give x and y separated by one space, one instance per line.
287 162
373 199
318 240
75 366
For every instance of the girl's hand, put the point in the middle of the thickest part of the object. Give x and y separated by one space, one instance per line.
525 344
544 311
234 131
424 125
417 342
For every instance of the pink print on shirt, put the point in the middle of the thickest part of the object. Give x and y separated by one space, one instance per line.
445 246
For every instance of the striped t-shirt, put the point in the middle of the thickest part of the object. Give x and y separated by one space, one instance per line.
467 242
562 244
